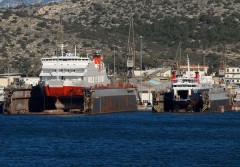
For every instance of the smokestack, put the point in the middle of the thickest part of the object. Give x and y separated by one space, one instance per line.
197 76
174 77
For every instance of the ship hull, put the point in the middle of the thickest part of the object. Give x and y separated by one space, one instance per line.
40 100
216 101
65 102
64 91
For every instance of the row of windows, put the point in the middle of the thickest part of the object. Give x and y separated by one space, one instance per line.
233 76
65 59
63 70
145 101
233 70
184 85
232 80
64 64
187 80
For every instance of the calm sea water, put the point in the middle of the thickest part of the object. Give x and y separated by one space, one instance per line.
121 139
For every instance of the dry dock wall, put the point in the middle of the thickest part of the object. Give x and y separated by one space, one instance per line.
113 100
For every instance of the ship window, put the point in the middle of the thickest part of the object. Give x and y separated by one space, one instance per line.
237 70
145 101
237 80
227 70
80 70
233 70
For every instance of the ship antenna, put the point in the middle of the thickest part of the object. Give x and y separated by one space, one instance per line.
75 51
62 47
188 64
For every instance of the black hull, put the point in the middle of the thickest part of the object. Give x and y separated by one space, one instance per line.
39 102
194 104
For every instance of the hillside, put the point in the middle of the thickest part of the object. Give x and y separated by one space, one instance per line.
31 32
14 3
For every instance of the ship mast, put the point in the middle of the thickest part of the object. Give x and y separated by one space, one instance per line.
75 51
188 64
59 40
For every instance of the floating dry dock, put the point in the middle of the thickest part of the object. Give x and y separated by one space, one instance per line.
31 100
24 100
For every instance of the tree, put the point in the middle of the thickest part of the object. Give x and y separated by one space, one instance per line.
23 64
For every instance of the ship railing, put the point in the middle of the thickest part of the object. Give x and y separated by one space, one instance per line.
185 80
119 85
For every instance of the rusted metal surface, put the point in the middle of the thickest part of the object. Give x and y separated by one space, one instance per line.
110 104
113 100
17 100
158 101
106 100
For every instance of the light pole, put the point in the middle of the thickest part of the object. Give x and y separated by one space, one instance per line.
141 67
114 64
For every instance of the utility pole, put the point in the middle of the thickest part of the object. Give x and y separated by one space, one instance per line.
131 52
141 66
114 63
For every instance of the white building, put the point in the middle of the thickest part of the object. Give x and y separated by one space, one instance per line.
163 72
232 75
30 80
193 68
9 78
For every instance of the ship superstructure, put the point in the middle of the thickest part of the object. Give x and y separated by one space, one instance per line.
70 66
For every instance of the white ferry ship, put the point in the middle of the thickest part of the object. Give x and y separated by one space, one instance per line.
194 93
67 74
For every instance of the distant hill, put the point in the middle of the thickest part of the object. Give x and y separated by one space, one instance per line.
203 28
14 3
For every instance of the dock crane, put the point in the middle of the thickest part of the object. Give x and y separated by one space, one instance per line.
222 65
131 54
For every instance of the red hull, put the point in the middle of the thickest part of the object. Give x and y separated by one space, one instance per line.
64 91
